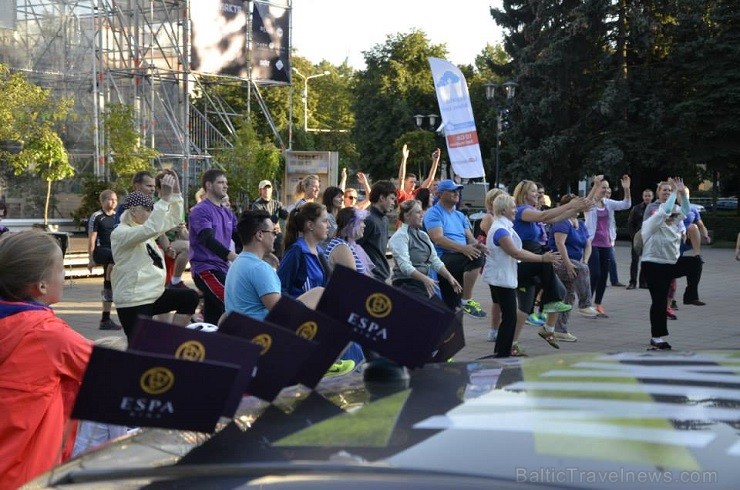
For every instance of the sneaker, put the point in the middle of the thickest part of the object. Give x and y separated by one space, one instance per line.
492 335
549 337
565 337
534 320
669 313
588 312
109 325
674 305
660 344
473 309
556 307
632 285
601 311
340 367
695 302
107 295
618 285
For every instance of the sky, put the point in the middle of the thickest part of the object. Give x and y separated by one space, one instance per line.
335 30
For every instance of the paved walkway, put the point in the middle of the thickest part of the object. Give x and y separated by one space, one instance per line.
716 325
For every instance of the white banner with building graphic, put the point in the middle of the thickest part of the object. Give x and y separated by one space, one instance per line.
458 122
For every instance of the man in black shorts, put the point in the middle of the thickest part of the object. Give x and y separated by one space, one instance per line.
99 228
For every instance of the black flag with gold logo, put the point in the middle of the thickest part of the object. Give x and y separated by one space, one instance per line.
193 345
332 336
146 390
282 353
404 328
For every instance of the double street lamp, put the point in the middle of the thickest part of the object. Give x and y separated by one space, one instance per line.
419 119
305 93
501 109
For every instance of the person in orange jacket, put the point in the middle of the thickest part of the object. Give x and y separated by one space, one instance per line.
42 360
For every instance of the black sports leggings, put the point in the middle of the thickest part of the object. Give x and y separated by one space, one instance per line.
181 301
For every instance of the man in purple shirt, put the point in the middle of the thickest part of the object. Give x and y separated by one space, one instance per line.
212 228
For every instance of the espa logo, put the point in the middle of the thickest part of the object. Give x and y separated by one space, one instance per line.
263 340
192 350
378 305
308 330
157 380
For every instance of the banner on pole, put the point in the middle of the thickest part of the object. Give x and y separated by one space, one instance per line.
458 123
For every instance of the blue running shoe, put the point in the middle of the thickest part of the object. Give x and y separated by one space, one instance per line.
534 320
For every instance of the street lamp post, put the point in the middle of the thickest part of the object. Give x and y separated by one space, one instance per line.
419 120
509 92
305 93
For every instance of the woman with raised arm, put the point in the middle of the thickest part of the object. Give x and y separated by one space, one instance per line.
602 231
527 223
138 276
662 260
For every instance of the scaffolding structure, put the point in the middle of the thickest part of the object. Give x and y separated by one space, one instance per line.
103 52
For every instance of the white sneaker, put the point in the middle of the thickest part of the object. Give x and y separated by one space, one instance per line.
492 335
589 312
565 337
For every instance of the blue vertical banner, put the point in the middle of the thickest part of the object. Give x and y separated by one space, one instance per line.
458 122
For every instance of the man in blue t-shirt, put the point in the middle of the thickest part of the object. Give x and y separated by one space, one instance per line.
456 246
252 286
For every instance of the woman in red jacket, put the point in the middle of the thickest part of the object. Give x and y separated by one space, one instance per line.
42 360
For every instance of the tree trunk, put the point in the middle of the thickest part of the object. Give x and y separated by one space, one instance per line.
46 207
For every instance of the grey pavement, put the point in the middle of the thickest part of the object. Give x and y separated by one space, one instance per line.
716 325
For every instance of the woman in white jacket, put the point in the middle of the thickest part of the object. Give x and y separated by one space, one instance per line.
138 275
662 260
414 255
602 231
500 272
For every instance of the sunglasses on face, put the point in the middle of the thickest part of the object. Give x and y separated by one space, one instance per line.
273 231
353 198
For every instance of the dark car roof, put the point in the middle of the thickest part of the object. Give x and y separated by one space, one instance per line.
579 420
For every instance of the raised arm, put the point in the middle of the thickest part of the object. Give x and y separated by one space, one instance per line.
343 180
433 171
556 214
402 167
626 182
595 186
365 183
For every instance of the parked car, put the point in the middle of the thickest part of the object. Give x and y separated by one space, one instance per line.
621 420
727 203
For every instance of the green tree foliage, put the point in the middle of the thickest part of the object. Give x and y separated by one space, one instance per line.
649 88
558 57
252 159
30 143
395 85
124 140
329 108
45 155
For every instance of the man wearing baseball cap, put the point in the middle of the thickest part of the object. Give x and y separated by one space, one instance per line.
274 208
456 246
